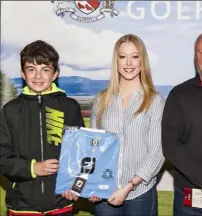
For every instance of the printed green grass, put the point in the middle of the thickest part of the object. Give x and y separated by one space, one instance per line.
165 203
87 122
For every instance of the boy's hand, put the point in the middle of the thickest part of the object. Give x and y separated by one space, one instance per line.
46 168
70 195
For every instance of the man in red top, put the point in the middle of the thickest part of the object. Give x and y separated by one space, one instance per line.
182 140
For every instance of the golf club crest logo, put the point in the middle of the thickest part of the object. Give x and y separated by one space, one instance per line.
86 11
107 174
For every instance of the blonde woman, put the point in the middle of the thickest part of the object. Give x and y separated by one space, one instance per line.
132 108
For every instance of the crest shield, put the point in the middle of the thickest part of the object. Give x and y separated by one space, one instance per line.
87 7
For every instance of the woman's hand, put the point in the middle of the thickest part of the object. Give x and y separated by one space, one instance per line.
118 197
70 195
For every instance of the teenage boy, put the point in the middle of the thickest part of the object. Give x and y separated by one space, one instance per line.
31 129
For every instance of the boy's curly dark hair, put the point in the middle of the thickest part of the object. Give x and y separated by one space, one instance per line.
39 52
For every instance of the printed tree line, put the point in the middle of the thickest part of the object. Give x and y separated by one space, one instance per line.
7 92
7 89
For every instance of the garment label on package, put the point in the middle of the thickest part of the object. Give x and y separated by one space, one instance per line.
79 184
104 187
193 197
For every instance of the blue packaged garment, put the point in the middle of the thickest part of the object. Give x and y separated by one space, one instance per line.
88 163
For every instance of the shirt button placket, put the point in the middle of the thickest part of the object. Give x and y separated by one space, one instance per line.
121 135
121 153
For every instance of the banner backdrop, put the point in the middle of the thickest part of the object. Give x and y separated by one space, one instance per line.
84 33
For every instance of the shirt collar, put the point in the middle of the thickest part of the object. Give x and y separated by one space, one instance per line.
140 92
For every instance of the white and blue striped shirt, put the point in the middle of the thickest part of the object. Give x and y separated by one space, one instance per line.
139 137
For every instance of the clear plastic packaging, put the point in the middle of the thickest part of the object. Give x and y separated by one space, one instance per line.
88 163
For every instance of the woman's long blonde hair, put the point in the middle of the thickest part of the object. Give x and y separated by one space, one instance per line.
145 77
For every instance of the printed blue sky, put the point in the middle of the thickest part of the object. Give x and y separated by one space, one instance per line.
86 48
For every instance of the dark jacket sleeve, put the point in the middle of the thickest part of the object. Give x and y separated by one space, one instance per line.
174 147
12 165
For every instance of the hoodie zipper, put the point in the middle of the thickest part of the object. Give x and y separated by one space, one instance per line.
41 137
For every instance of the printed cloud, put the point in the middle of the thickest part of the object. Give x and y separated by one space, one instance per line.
80 48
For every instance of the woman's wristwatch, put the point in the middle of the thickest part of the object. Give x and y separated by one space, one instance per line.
133 185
